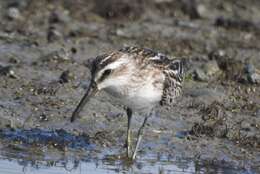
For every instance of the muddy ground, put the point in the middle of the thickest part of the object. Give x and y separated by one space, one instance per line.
44 70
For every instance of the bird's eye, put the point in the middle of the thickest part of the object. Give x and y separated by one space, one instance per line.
105 74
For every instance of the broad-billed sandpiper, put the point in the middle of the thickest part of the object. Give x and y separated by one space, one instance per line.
140 79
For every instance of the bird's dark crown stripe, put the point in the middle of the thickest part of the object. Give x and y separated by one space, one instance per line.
99 62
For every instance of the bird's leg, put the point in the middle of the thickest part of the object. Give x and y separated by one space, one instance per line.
139 136
128 140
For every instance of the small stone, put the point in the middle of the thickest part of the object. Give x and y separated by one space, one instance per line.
65 77
73 50
250 74
258 113
7 71
43 117
13 13
59 16
249 68
182 134
229 23
211 68
120 32
53 34
202 10
190 8
200 75
118 9
254 78
217 54
14 60
206 71
220 130
17 3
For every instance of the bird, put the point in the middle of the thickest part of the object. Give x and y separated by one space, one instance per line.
140 79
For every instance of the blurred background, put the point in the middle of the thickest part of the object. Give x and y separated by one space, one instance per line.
45 47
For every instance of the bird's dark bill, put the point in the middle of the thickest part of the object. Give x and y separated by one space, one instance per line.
92 90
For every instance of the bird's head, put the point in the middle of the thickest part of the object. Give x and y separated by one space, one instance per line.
106 71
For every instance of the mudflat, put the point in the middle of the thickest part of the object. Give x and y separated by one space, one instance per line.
45 53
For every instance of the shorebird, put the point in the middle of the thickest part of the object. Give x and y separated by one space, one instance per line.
138 78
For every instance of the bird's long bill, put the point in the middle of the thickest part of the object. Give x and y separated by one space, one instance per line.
92 90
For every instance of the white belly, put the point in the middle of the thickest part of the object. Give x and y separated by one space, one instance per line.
137 97
144 97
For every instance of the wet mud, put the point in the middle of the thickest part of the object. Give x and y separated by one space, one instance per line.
45 53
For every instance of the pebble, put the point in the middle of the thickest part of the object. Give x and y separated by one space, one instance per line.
118 9
66 76
206 71
244 25
249 68
53 34
182 134
59 16
217 54
220 130
254 78
258 113
13 13
200 75
190 7
18 3
14 60
43 117
7 71
251 74
211 68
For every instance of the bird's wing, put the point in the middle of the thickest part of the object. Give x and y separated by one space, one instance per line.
172 69
173 82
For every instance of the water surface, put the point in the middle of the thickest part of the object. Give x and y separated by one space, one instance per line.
72 166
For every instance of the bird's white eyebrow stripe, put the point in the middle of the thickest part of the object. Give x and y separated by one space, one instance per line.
155 58
104 60
122 60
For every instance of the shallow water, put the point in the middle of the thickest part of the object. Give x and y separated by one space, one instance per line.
57 151
181 166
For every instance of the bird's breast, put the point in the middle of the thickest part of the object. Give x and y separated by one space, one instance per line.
141 92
